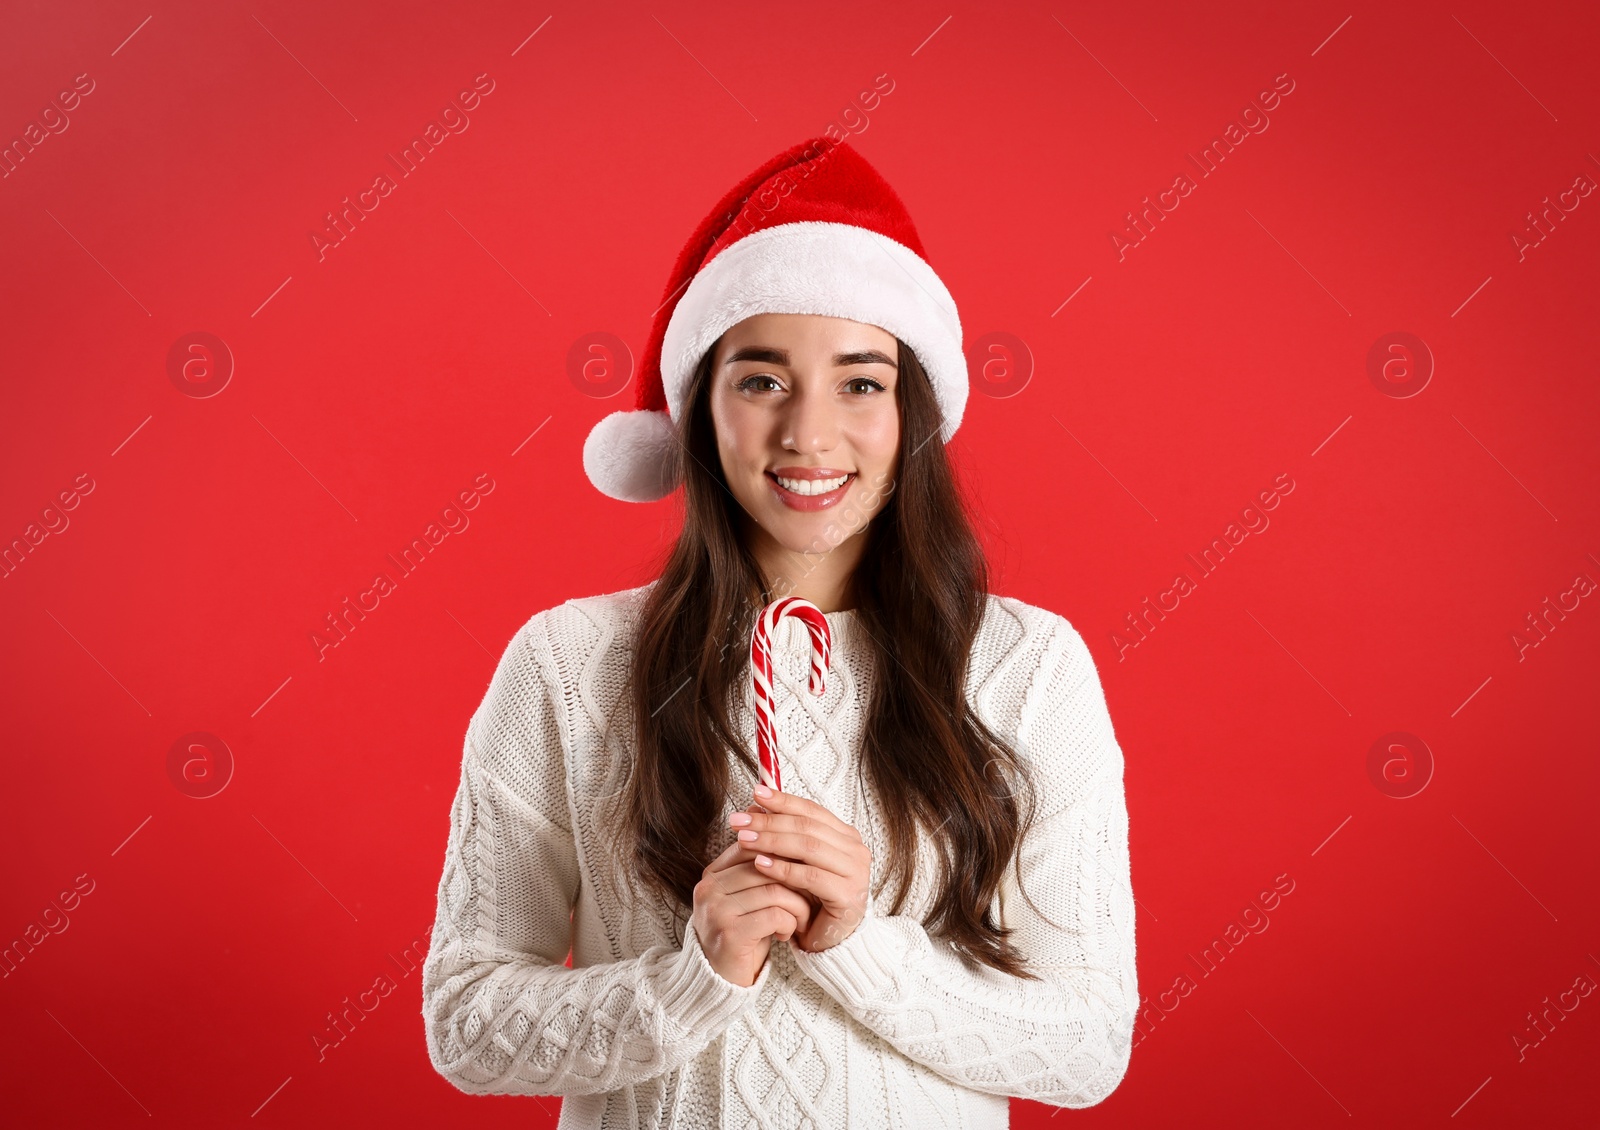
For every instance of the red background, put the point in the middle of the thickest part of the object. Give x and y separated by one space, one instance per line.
370 386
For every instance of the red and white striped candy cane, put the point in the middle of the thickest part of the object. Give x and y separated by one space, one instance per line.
761 672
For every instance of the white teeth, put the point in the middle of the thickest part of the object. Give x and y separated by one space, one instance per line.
812 486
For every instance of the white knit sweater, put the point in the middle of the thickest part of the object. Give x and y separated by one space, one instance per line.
889 1028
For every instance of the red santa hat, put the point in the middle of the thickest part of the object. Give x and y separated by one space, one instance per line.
814 230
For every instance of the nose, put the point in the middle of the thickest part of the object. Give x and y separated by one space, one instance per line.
809 423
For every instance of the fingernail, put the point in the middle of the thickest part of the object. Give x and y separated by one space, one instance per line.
764 861
762 790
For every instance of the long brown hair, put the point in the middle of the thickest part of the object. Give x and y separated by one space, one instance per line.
920 593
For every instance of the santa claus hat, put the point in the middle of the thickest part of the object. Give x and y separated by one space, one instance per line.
814 230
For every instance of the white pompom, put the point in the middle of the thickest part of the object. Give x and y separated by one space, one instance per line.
631 456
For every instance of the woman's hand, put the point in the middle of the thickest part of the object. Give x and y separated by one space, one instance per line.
738 911
813 851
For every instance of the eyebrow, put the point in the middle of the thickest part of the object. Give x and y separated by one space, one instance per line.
771 356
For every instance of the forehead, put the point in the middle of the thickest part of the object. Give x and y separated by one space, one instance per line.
805 336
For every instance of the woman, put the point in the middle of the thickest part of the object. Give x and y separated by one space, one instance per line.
935 915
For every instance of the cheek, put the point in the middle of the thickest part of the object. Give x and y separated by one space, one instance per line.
738 429
877 437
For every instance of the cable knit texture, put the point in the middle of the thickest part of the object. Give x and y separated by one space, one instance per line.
889 1028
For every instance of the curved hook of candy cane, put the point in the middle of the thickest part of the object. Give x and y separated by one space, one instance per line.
761 672
816 624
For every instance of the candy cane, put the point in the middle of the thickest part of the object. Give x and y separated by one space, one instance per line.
761 672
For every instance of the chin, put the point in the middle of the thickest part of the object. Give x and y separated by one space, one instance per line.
811 534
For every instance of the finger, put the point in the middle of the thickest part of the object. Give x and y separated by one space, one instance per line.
773 893
788 925
742 876
791 804
730 856
828 887
805 847
719 881
749 890
737 874
753 885
764 825
733 875
767 922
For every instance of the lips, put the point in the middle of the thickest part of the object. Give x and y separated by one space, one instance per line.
809 502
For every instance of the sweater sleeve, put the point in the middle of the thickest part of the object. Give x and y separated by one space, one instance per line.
1064 1040
503 1013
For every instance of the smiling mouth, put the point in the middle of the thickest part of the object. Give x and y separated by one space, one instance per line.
801 494
810 488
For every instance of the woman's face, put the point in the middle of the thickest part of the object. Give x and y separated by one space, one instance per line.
811 402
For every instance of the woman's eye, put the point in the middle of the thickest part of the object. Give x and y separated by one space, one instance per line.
750 384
